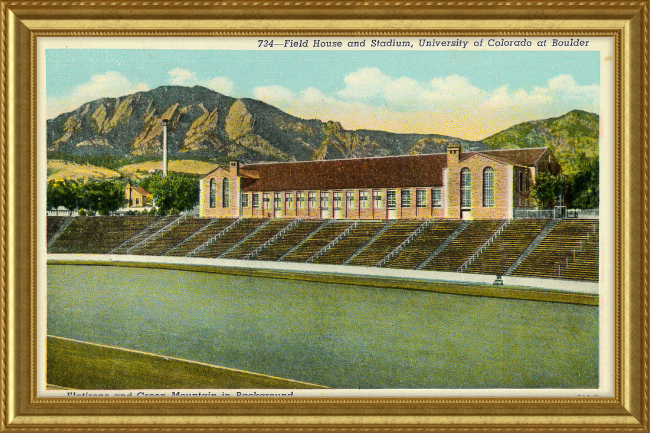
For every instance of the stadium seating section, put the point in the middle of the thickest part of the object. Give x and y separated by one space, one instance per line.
424 245
507 247
212 229
358 236
385 243
318 241
288 241
244 248
99 235
172 237
568 251
466 243
54 223
231 237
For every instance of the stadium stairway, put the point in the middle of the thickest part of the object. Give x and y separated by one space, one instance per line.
358 236
441 247
210 231
317 241
240 231
463 246
290 240
422 245
540 236
562 247
156 223
55 226
171 237
97 234
258 237
506 247
384 243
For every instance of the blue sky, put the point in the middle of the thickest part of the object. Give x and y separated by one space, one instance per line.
469 94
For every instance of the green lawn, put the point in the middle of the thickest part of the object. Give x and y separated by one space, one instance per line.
78 365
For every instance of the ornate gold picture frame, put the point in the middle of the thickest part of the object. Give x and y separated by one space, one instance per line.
24 22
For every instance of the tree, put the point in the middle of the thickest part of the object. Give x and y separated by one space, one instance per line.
103 196
175 191
547 188
586 184
63 193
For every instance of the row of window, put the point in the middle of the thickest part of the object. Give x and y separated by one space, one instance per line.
391 196
466 188
312 198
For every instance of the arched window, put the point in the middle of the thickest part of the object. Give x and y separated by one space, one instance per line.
488 187
213 193
225 193
465 188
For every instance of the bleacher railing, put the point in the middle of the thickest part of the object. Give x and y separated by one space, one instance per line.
157 234
334 242
213 239
483 247
570 257
403 245
282 232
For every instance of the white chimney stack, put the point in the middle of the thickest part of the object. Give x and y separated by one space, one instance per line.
164 140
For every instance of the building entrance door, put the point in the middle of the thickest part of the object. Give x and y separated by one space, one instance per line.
325 206
277 205
391 204
466 214
337 204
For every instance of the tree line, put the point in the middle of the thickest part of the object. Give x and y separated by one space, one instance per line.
173 193
579 191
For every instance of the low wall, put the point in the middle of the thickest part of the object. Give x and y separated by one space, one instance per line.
344 272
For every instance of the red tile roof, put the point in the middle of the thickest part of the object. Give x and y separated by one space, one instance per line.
522 157
383 172
141 190
378 172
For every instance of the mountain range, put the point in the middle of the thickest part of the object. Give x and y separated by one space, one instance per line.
206 124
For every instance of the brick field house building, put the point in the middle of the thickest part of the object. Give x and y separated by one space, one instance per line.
455 185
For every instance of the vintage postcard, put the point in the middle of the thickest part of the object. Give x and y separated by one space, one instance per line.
325 216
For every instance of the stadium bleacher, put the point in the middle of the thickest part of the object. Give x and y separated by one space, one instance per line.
54 223
555 254
146 232
265 233
385 243
171 238
423 245
568 251
507 247
283 245
465 244
201 236
98 235
314 244
232 237
357 237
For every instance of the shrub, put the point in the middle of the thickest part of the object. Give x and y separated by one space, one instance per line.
82 212
152 211
174 212
160 211
144 212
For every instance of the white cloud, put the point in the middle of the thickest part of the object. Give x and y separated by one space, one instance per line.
273 93
449 105
185 77
112 84
182 77
221 85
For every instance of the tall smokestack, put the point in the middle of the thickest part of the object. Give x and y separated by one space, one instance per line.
164 139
